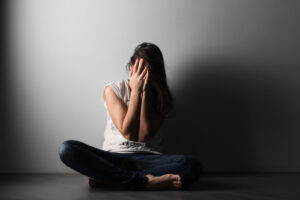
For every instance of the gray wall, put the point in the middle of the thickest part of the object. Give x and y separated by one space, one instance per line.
232 65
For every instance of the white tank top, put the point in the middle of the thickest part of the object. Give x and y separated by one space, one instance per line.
114 140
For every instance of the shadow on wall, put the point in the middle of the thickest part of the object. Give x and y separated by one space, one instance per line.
227 115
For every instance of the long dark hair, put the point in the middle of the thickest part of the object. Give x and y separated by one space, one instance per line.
162 98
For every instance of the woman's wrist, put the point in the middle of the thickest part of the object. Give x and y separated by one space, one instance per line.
136 91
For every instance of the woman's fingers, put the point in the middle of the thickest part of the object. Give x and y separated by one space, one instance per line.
147 76
130 74
135 65
140 66
145 83
144 72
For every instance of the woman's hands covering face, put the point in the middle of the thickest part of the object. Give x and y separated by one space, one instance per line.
139 75
149 81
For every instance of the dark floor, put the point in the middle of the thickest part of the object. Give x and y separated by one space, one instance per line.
283 186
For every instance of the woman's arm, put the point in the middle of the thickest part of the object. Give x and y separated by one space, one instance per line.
125 119
150 121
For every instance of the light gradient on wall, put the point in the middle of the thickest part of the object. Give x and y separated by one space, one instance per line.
232 66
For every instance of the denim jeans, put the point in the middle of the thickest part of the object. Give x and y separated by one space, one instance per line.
127 169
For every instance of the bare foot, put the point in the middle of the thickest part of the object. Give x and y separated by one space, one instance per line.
166 181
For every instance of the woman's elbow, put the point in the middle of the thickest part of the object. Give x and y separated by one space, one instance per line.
124 133
144 136
129 135
142 139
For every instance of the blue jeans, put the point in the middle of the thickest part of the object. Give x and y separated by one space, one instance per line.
127 169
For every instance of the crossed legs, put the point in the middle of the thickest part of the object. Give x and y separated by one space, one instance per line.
137 171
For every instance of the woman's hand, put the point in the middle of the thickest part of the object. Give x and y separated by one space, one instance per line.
137 76
148 80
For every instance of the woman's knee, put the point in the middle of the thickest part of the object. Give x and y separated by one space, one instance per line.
195 165
67 147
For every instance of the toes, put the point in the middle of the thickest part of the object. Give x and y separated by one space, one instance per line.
178 178
178 185
173 177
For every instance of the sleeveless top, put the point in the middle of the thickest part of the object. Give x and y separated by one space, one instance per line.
114 141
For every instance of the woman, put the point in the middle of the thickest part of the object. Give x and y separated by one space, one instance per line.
130 155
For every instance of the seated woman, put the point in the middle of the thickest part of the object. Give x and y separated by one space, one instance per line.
136 109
